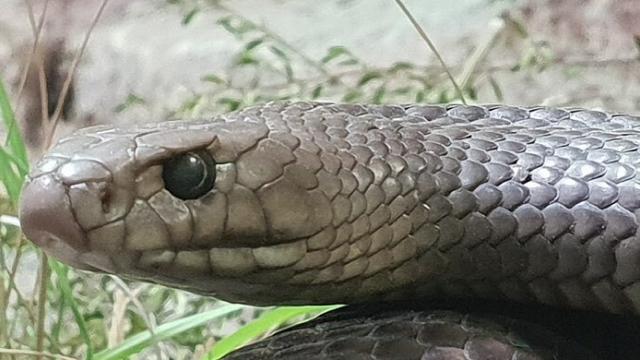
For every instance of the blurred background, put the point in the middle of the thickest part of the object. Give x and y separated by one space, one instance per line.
144 61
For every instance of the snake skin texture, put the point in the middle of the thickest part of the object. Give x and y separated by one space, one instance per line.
404 332
321 203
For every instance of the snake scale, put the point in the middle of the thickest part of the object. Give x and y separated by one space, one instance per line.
535 210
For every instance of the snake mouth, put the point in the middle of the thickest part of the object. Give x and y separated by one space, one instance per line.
223 262
60 250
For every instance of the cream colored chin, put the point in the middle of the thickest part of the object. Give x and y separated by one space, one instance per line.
225 262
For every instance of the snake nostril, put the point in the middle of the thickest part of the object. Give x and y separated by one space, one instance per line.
105 199
48 220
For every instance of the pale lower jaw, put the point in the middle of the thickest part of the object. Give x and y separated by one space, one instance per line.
221 262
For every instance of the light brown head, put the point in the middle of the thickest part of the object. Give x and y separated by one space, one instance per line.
253 207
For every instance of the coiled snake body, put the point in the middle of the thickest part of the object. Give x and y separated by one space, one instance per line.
318 203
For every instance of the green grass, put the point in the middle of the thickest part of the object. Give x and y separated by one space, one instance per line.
144 339
13 155
266 323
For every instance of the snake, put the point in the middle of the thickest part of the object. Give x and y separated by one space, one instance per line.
454 231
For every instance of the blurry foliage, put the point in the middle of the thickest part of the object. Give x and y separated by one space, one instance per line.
267 67
130 101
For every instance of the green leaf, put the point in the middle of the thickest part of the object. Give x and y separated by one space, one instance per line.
352 95
13 159
246 59
131 100
190 104
213 79
266 323
143 340
350 61
496 88
232 104
9 177
368 76
286 63
225 22
253 44
335 52
22 170
443 97
14 142
288 71
317 91
235 26
472 92
378 96
279 53
189 16
403 90
400 66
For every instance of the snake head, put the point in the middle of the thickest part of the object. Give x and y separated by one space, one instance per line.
229 207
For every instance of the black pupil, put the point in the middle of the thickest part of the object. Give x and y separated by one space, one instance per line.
190 175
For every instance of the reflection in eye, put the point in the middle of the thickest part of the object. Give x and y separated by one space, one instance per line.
189 175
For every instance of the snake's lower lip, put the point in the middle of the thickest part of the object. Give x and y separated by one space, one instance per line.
48 221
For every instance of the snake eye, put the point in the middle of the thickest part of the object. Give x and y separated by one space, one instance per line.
189 175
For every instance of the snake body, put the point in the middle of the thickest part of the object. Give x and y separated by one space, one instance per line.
320 203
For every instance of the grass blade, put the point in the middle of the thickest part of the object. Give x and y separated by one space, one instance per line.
12 182
266 322
142 340
14 140
433 48
13 159
62 272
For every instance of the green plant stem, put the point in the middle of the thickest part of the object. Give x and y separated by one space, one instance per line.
42 299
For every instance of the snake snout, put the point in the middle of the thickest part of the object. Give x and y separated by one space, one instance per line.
47 220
